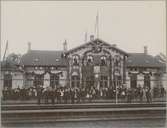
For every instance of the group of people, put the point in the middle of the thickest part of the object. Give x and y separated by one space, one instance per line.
81 95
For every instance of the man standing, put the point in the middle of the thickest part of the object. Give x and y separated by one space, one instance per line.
39 93
52 95
148 95
141 94
72 95
129 95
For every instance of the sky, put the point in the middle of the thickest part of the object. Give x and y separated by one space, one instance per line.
46 24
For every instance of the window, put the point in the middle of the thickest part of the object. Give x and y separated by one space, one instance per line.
117 61
103 61
89 60
147 81
75 60
75 81
54 80
57 59
133 80
8 80
38 80
103 81
89 82
36 60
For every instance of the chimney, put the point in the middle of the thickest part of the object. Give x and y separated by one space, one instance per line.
145 50
91 37
65 46
29 46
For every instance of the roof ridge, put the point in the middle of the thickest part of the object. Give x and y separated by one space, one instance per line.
47 50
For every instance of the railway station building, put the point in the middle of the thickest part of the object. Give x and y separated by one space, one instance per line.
96 63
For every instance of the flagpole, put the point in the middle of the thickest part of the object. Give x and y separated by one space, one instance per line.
97 24
86 37
6 48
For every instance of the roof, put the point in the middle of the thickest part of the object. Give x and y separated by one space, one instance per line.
95 40
43 58
143 60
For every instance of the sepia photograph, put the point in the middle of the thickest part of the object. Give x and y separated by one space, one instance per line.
83 64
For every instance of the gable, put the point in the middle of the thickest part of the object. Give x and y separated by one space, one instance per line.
95 46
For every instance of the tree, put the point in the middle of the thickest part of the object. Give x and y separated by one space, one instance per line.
13 58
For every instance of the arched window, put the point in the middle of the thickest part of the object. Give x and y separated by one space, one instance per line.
89 60
117 61
75 60
103 61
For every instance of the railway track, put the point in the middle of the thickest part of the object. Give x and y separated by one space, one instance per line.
77 112
79 106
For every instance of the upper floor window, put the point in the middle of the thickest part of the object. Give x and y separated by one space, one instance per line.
89 60
75 60
117 60
103 61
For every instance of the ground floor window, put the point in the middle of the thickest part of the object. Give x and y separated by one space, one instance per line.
39 80
89 81
117 81
29 80
75 81
103 81
133 81
147 81
54 80
8 80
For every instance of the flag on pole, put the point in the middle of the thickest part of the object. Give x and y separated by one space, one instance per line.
6 51
86 36
97 25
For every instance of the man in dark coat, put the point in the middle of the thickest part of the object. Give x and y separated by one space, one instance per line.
65 95
39 94
52 95
58 95
148 95
141 94
72 93
129 95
